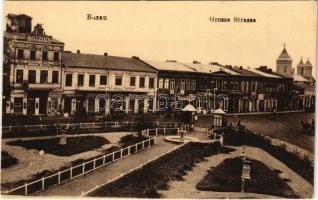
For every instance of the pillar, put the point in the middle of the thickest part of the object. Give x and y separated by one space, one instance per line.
12 104
127 100
107 106
250 105
154 102
49 106
146 104
239 105
136 105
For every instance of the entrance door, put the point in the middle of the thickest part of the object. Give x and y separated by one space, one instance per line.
67 105
18 105
102 105
43 105
31 106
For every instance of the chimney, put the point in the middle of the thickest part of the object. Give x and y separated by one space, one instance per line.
241 67
105 54
196 62
135 57
78 51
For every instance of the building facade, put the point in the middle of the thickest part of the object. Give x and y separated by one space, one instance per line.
32 69
107 84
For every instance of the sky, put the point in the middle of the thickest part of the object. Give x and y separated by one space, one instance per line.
181 31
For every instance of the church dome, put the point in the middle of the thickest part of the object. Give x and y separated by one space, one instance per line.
284 56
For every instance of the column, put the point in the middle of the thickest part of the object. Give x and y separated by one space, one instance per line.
107 105
146 105
136 106
257 105
240 104
154 102
37 105
49 106
250 106
127 104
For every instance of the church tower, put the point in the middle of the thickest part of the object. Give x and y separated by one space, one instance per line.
307 70
284 63
300 67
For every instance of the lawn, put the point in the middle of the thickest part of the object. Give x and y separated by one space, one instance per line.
146 182
7 160
74 145
286 127
226 177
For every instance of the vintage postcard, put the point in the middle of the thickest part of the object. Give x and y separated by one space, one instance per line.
158 99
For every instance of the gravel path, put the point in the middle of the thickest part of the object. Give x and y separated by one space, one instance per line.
87 182
30 162
187 188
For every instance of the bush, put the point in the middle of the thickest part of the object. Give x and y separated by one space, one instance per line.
7 160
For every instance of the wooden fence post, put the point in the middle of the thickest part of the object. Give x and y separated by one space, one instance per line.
121 153
59 177
43 184
10 128
26 189
113 156
83 169
71 172
156 132
164 131
94 164
104 159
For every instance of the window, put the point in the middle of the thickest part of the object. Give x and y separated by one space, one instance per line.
133 81
103 80
80 80
182 85
55 77
32 76
19 76
188 86
44 56
151 82
91 81
68 80
166 86
142 82
32 55
56 56
160 83
43 76
213 85
172 84
194 85
20 54
118 80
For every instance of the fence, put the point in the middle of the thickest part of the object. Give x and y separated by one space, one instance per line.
291 148
165 131
78 170
90 125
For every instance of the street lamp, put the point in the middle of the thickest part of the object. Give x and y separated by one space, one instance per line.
214 89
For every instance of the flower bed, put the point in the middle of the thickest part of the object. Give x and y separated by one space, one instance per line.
147 181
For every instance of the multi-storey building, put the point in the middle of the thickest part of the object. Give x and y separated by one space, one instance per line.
107 84
32 68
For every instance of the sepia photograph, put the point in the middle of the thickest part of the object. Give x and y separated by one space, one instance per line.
158 99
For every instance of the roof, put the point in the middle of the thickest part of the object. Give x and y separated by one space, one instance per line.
105 62
268 75
189 108
22 36
308 64
219 111
208 68
301 63
244 72
284 56
299 78
169 66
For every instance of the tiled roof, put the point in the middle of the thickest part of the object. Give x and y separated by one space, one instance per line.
22 36
105 62
244 71
268 75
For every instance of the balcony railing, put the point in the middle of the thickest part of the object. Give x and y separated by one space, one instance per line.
41 86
